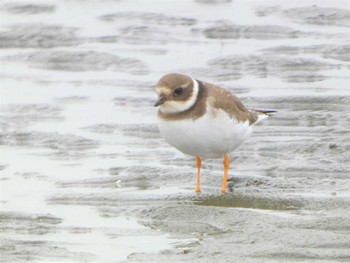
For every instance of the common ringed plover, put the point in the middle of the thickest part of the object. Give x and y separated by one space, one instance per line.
203 120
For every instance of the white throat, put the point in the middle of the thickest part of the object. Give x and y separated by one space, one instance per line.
180 106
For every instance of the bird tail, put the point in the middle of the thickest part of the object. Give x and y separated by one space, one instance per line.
263 113
267 112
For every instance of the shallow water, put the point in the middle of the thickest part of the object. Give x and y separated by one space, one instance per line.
85 176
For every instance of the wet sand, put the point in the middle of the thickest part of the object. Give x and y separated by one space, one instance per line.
85 175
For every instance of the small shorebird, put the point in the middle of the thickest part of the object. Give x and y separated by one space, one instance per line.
203 120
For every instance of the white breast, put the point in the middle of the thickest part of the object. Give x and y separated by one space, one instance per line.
213 135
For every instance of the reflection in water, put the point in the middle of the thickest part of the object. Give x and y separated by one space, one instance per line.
254 202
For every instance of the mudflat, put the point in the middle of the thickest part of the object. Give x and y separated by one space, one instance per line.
85 175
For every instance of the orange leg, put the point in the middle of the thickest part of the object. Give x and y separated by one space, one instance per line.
224 181
198 164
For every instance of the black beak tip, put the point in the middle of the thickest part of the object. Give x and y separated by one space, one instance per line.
159 102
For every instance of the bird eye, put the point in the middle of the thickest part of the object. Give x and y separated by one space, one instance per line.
178 91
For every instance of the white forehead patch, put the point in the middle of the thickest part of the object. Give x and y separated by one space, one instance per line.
173 106
163 90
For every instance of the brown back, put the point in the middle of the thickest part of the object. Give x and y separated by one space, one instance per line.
216 97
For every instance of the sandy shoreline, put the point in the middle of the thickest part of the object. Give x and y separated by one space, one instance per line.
85 175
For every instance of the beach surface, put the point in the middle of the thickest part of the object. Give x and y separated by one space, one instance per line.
85 175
